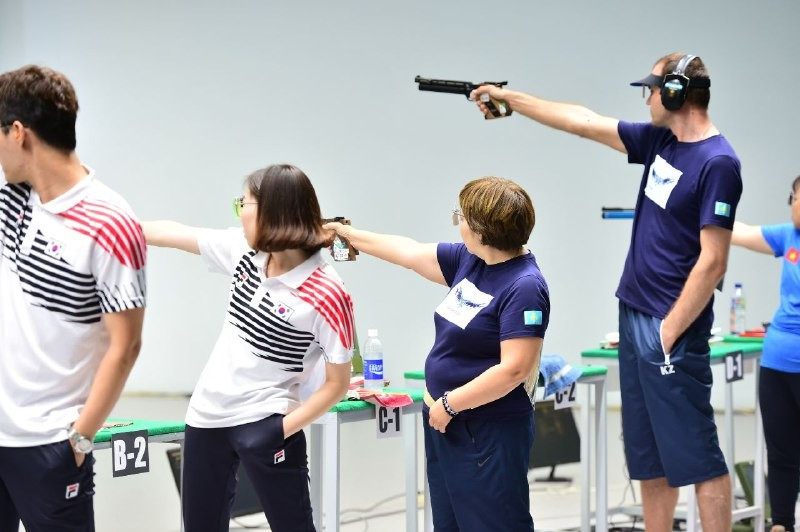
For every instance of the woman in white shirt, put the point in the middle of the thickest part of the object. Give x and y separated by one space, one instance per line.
288 311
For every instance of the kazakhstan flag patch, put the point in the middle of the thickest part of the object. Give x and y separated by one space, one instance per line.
722 209
532 317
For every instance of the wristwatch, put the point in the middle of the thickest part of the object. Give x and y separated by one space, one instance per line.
79 442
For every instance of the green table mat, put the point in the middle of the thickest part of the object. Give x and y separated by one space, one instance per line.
348 406
733 338
718 350
153 428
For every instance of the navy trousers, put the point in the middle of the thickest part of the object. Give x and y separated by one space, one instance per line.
44 487
478 474
277 468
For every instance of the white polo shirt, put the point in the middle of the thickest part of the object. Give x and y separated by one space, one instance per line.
277 334
63 264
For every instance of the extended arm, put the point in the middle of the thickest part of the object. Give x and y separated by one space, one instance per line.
399 250
125 332
704 277
337 378
572 118
169 234
750 237
518 358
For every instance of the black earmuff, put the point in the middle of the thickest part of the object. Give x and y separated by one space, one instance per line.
675 86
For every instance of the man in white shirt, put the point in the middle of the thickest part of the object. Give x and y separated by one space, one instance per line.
72 297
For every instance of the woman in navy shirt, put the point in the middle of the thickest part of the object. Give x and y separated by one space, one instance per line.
479 373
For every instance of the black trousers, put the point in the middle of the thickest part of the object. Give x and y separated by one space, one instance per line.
779 395
277 468
45 488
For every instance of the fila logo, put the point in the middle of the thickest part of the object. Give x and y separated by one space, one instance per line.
669 369
279 457
72 491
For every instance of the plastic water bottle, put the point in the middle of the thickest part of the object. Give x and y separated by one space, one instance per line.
373 361
738 310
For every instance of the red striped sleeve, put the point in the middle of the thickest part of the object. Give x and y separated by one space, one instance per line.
113 229
329 298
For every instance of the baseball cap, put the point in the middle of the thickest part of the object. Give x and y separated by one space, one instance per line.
650 81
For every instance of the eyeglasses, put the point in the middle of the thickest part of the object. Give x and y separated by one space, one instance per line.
652 88
457 217
238 205
792 197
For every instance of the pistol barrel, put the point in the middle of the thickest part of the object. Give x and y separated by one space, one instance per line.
452 86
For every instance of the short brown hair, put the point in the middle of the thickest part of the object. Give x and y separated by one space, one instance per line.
288 211
796 183
498 210
696 97
42 100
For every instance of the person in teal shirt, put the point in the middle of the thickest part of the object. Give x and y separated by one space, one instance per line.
779 383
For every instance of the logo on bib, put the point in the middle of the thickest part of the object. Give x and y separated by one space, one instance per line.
463 303
662 179
722 209
532 317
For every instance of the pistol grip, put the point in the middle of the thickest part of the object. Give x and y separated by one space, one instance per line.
497 108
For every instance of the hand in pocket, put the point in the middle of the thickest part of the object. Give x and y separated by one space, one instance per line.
80 458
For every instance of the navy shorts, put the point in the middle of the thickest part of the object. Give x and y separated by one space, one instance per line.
44 487
667 419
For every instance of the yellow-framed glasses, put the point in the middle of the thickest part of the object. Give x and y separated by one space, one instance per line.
238 205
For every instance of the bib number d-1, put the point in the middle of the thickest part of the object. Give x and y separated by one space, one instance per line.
734 366
565 398
388 421
130 454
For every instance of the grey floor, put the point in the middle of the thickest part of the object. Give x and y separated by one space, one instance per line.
149 502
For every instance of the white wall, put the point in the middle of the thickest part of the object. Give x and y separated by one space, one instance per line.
180 100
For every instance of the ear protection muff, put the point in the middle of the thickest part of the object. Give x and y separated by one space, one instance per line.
675 86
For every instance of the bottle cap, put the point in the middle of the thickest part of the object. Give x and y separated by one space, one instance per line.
737 285
372 333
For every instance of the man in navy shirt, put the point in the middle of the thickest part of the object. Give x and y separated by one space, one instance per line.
685 210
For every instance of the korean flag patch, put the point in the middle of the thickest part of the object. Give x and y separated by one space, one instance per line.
722 209
53 249
532 317
282 311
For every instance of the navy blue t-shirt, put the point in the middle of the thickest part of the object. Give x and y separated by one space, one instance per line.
486 305
685 187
